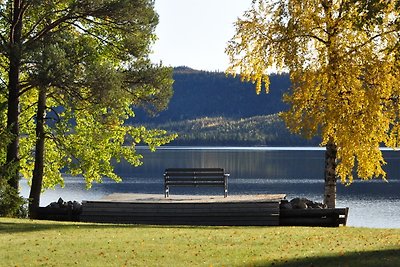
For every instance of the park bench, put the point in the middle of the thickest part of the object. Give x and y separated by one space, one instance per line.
195 177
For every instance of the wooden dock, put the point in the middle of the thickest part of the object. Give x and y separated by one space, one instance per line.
260 210
313 217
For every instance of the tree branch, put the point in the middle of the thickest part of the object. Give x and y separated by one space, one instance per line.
26 89
51 26
369 41
104 41
55 112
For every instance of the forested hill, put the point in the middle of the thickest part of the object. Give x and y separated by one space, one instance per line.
200 94
209 108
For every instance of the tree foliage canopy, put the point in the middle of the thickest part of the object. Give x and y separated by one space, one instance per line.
342 57
86 64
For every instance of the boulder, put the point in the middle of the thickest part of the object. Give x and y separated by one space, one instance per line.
304 203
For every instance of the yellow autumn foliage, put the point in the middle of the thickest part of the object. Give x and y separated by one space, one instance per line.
343 68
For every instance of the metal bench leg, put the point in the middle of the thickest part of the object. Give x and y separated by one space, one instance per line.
225 185
166 192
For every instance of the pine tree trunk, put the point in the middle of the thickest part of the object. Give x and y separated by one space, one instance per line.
37 178
330 175
13 93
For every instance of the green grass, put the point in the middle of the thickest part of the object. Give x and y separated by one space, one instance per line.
45 243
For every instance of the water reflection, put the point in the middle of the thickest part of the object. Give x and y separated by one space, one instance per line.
241 163
295 172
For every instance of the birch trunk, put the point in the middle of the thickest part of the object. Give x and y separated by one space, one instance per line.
330 175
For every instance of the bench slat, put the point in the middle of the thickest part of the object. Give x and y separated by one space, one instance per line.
194 169
196 174
194 179
194 185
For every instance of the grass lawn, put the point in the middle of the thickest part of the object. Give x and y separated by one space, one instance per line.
45 243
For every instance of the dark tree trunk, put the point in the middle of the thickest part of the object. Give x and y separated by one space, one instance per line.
14 90
330 175
37 178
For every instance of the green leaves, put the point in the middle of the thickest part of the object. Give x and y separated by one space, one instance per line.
91 58
99 138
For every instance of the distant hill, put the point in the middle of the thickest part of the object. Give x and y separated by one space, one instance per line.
210 108
267 130
200 94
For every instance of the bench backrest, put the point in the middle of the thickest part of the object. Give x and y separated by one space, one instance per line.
179 176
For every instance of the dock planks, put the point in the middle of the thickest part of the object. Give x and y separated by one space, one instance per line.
248 210
257 210
314 217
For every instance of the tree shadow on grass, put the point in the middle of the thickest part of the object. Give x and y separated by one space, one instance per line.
21 226
25 225
381 258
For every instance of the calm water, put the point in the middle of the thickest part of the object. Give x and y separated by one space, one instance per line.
297 172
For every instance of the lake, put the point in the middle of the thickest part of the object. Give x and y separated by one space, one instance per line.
297 172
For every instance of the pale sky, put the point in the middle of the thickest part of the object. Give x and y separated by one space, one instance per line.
195 33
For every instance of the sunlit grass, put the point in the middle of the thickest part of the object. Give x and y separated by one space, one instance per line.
44 243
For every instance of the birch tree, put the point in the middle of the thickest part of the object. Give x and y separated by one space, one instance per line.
342 60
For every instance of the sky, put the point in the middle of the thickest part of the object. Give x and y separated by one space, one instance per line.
195 33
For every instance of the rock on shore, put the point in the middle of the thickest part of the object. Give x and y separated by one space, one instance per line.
301 203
